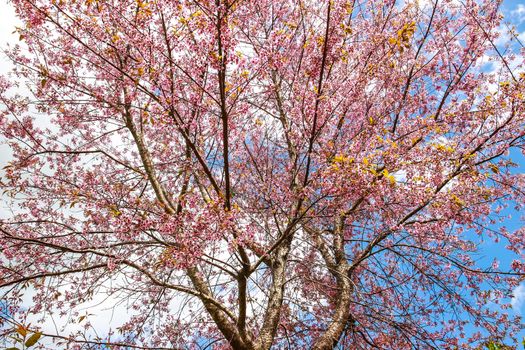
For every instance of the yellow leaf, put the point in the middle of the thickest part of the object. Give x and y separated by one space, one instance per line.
33 339
196 14
114 211
458 201
494 168
339 158
348 8
21 330
389 177
444 148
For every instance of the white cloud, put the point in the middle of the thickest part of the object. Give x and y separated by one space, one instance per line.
400 176
518 298
7 26
518 13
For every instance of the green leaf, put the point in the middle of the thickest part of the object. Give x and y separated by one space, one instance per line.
12 348
16 338
33 339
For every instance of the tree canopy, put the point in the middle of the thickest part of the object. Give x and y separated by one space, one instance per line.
251 174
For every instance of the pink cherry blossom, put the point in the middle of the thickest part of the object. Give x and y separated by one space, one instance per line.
262 174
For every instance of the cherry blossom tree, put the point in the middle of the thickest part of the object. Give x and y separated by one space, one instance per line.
255 174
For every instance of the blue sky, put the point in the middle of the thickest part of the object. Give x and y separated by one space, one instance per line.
514 12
